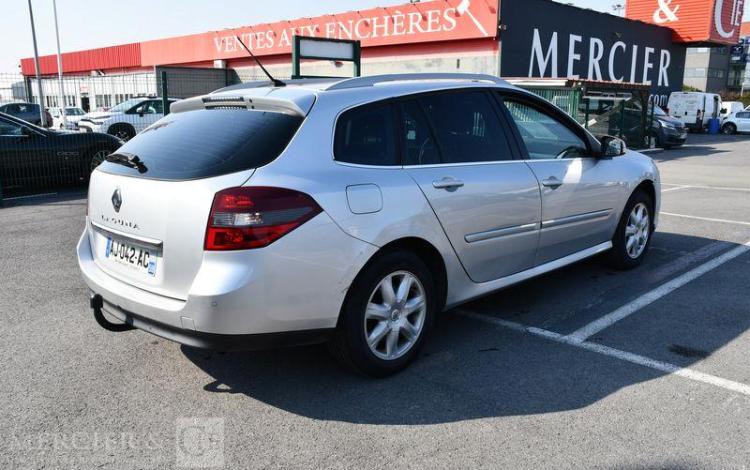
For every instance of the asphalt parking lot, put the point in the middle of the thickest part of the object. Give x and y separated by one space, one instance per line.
582 368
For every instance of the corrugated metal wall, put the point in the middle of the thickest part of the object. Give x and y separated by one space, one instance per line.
114 57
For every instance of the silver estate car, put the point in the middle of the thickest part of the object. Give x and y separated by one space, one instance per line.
351 211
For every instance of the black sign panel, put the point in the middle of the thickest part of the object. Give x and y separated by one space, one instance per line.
542 38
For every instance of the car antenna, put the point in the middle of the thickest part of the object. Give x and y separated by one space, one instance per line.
275 81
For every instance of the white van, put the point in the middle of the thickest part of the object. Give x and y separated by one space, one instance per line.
730 107
694 109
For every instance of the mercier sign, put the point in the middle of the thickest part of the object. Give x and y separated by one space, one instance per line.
568 42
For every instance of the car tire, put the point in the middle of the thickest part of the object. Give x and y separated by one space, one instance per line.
372 337
657 139
729 129
634 232
123 132
96 158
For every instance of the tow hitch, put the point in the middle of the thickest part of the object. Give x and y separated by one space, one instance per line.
97 302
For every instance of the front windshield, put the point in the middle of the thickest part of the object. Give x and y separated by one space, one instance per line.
125 105
658 111
73 112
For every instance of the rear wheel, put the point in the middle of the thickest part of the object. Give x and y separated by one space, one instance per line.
386 316
729 129
123 132
633 236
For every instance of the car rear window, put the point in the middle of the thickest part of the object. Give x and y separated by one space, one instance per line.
206 143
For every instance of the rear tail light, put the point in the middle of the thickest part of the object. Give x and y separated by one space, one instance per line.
254 217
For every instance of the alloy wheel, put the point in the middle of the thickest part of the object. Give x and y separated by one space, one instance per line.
98 158
637 231
123 135
395 315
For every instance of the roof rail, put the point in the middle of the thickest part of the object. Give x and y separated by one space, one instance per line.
359 82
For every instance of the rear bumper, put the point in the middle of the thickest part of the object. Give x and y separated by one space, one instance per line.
221 342
295 285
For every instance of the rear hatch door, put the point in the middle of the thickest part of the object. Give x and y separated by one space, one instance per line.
149 204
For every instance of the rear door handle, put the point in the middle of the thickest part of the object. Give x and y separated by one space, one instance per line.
447 183
552 182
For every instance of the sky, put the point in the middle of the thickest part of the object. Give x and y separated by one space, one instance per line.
86 24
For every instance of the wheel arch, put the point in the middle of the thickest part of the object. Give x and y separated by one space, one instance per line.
649 188
428 253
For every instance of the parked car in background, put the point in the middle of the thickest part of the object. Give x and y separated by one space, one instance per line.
352 211
28 112
730 107
667 131
33 157
72 116
737 122
126 119
694 109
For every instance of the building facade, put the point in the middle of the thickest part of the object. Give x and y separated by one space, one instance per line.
499 37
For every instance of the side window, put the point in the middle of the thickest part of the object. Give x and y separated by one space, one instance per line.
148 107
419 147
137 109
10 129
366 136
545 137
467 127
157 106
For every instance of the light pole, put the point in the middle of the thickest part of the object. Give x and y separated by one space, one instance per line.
36 65
59 69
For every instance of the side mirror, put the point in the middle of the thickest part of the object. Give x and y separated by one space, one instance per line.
612 146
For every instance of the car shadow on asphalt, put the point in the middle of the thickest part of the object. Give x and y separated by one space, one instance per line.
468 369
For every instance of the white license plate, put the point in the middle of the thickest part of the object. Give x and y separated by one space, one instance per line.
137 258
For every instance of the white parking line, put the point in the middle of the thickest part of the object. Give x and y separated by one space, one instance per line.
18 198
687 186
616 353
706 219
650 297
677 188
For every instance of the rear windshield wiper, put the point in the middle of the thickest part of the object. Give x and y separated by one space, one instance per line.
128 159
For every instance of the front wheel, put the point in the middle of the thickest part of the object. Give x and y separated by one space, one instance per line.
97 158
123 132
729 129
386 316
633 236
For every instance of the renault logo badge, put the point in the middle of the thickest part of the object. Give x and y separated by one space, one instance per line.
117 200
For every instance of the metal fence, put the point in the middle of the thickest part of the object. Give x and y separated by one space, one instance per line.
625 115
43 152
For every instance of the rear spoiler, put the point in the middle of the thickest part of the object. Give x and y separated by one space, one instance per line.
274 105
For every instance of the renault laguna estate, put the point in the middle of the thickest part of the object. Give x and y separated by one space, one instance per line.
351 211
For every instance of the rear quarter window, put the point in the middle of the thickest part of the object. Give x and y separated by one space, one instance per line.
207 143
366 136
